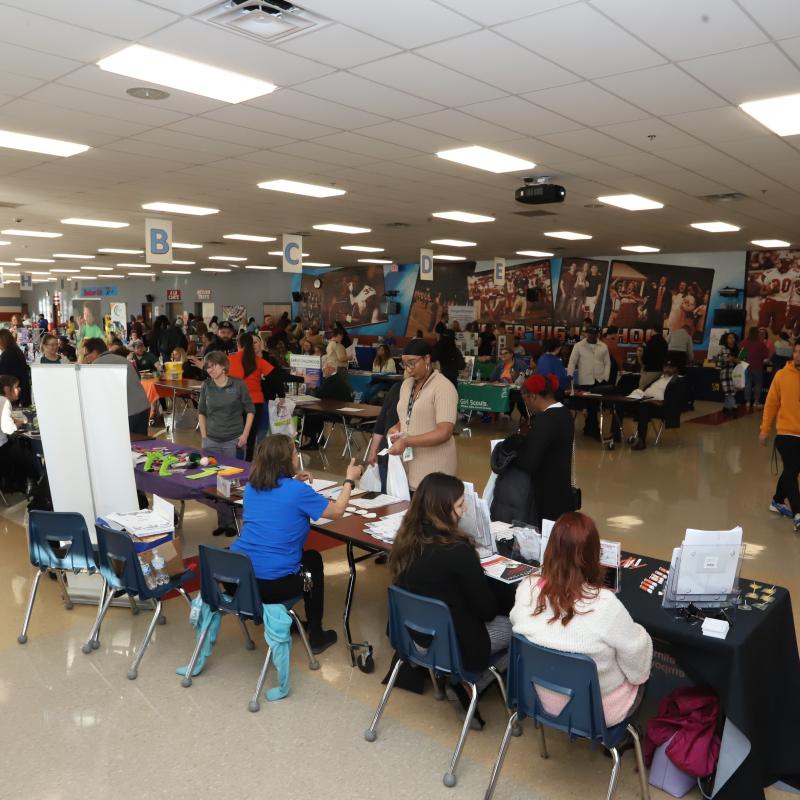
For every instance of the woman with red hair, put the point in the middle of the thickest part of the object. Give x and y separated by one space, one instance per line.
568 609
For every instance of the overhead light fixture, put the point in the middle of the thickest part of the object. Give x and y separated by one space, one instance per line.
72 255
46 274
315 264
33 234
259 266
39 144
131 264
65 271
630 202
715 227
120 251
214 269
453 243
8 264
186 246
571 235
248 237
484 158
462 216
38 260
449 258
179 208
94 223
297 187
166 69
98 269
361 248
142 274
535 253
227 258
112 275
187 263
84 277
770 243
640 248
280 253
175 272
370 261
780 114
3 242
335 228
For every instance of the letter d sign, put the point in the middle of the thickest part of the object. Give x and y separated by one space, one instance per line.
158 241
426 265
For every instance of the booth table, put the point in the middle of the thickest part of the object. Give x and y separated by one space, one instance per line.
484 397
332 409
157 388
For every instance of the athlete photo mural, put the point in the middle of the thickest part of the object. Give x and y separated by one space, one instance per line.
353 296
580 290
773 290
526 297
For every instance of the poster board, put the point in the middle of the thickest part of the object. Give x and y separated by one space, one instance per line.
309 368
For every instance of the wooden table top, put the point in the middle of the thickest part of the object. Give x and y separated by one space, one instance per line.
184 383
363 411
352 528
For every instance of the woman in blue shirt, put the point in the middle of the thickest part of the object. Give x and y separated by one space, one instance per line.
278 507
550 363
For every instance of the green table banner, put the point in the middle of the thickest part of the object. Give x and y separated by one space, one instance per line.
483 397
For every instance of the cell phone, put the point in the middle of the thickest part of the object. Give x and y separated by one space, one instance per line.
369 495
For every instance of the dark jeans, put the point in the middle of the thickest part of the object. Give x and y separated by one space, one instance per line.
280 589
592 426
789 448
515 401
251 439
137 423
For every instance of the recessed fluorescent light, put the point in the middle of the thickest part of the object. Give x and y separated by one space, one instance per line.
131 264
368 261
8 264
72 255
571 235
335 228
46 274
259 266
175 261
98 269
214 269
449 258
65 271
715 227
38 260
84 277
16 274
361 248
156 66
630 202
120 251
142 274
780 114
315 264
453 242
186 246
179 208
640 248
462 216
3 242
484 158
280 253
296 187
227 258
175 272
770 243
110 275
17 281
248 237
94 223
34 234
535 253
38 144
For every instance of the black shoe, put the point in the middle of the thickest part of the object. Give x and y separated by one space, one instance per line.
382 558
457 695
219 531
231 532
639 445
321 641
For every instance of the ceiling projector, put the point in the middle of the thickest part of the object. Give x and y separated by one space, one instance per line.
534 194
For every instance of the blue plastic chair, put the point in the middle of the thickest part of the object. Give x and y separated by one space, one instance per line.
422 633
120 567
58 541
574 676
219 566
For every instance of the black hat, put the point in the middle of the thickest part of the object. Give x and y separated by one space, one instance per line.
417 347
227 324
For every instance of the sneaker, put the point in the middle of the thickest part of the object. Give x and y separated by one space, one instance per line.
322 641
797 523
780 508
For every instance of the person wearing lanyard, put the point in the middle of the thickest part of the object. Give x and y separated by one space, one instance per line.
427 410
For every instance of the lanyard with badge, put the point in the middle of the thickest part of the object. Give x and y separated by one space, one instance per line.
408 453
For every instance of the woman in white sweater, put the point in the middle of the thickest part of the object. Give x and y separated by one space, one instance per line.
567 609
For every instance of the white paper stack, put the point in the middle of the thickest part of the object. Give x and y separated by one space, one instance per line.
386 527
476 522
375 502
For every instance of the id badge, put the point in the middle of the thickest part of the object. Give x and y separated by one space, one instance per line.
408 454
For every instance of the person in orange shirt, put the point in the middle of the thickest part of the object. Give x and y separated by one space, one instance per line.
245 364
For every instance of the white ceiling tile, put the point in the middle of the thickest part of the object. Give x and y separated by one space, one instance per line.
792 48
501 10
760 152
56 38
234 51
339 46
662 90
749 74
778 17
362 145
410 136
295 104
148 150
350 90
412 23
569 36
418 76
520 115
589 143
685 28
319 152
638 133
128 19
638 163
462 126
181 6
268 121
177 139
496 60
12 85
276 164
586 103
719 125
545 154
211 129
24 61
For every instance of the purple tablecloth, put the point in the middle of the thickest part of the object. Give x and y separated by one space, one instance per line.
177 486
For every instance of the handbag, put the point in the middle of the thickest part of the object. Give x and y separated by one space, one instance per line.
575 490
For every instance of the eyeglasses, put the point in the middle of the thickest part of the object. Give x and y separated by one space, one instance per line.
411 363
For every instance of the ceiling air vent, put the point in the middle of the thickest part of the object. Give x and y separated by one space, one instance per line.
723 197
534 213
265 20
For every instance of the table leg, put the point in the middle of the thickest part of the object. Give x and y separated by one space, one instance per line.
172 417
360 652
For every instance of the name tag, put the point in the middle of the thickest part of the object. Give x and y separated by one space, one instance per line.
408 454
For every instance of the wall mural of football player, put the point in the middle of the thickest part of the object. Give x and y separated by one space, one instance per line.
580 290
350 295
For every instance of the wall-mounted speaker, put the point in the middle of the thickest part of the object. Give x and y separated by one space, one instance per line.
149 297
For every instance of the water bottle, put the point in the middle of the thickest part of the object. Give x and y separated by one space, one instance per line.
157 562
147 573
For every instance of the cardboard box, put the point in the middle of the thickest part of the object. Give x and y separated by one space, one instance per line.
170 551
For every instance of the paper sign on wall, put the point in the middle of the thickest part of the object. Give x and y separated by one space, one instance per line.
25 281
158 241
204 294
499 271
426 265
173 295
292 253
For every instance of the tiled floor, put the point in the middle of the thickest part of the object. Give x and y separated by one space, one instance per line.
73 726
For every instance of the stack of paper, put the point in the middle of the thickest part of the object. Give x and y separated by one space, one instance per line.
476 522
386 527
375 502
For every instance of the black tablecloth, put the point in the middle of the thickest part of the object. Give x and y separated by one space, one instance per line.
755 672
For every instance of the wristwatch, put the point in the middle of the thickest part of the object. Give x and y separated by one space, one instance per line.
350 481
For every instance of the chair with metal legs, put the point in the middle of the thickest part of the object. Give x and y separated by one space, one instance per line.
58 541
574 677
122 573
422 633
228 586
